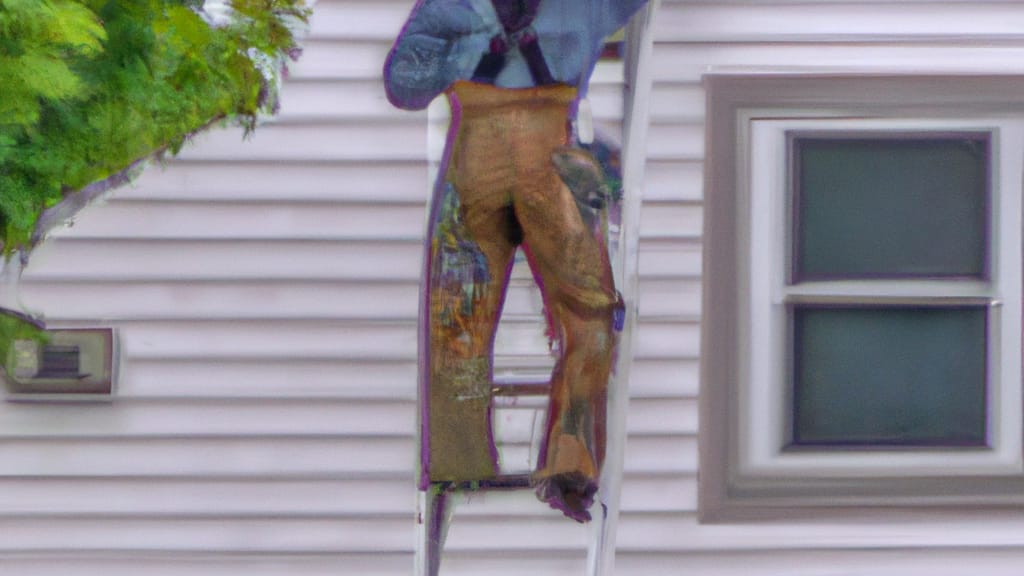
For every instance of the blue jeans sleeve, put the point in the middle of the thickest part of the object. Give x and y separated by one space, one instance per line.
435 48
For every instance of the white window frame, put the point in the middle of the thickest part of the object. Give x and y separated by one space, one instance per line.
745 470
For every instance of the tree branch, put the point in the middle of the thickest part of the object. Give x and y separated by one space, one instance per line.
74 202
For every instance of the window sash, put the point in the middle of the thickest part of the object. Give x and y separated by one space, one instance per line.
765 210
800 145
867 383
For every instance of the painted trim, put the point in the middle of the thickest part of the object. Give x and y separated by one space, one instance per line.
727 492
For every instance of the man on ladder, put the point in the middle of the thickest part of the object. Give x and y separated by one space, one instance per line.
514 72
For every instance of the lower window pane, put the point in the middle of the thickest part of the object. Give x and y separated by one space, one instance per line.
889 376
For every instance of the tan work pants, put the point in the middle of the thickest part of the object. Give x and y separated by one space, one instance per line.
510 193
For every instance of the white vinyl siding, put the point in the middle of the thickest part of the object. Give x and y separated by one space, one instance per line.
266 294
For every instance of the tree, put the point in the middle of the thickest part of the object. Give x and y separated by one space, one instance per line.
94 89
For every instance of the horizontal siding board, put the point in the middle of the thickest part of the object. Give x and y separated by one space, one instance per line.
661 454
167 418
271 456
358 19
136 497
547 533
993 561
674 180
675 141
669 259
650 532
320 535
670 417
688 63
664 377
314 339
280 220
207 456
281 417
202 179
280 377
342 339
291 535
678 299
680 532
324 378
681 220
149 219
671 339
208 498
300 299
342 101
248 299
514 563
764 22
69 259
401 140
340 59
996 561
59 562
675 102
664 493
638 532
640 493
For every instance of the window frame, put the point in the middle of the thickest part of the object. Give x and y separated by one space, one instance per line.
745 470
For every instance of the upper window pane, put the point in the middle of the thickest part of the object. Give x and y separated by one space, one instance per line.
890 205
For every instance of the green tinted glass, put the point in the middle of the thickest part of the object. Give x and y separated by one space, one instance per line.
888 206
889 376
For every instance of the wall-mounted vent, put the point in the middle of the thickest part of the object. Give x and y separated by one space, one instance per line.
69 365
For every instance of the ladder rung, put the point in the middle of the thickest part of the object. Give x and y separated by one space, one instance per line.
522 389
500 482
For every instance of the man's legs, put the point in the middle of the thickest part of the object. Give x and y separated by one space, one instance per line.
468 274
572 265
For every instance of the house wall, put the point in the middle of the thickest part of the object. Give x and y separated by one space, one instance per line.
266 295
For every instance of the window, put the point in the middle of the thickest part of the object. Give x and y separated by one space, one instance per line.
862 324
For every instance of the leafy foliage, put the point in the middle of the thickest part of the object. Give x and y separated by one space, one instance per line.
92 86
13 329
88 88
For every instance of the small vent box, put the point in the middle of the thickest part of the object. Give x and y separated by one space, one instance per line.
73 364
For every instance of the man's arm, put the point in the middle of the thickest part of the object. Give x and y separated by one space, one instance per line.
431 52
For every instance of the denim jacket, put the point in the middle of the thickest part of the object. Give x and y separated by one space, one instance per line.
444 40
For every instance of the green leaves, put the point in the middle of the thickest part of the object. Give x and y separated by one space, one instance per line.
12 329
47 77
38 39
92 86
75 26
